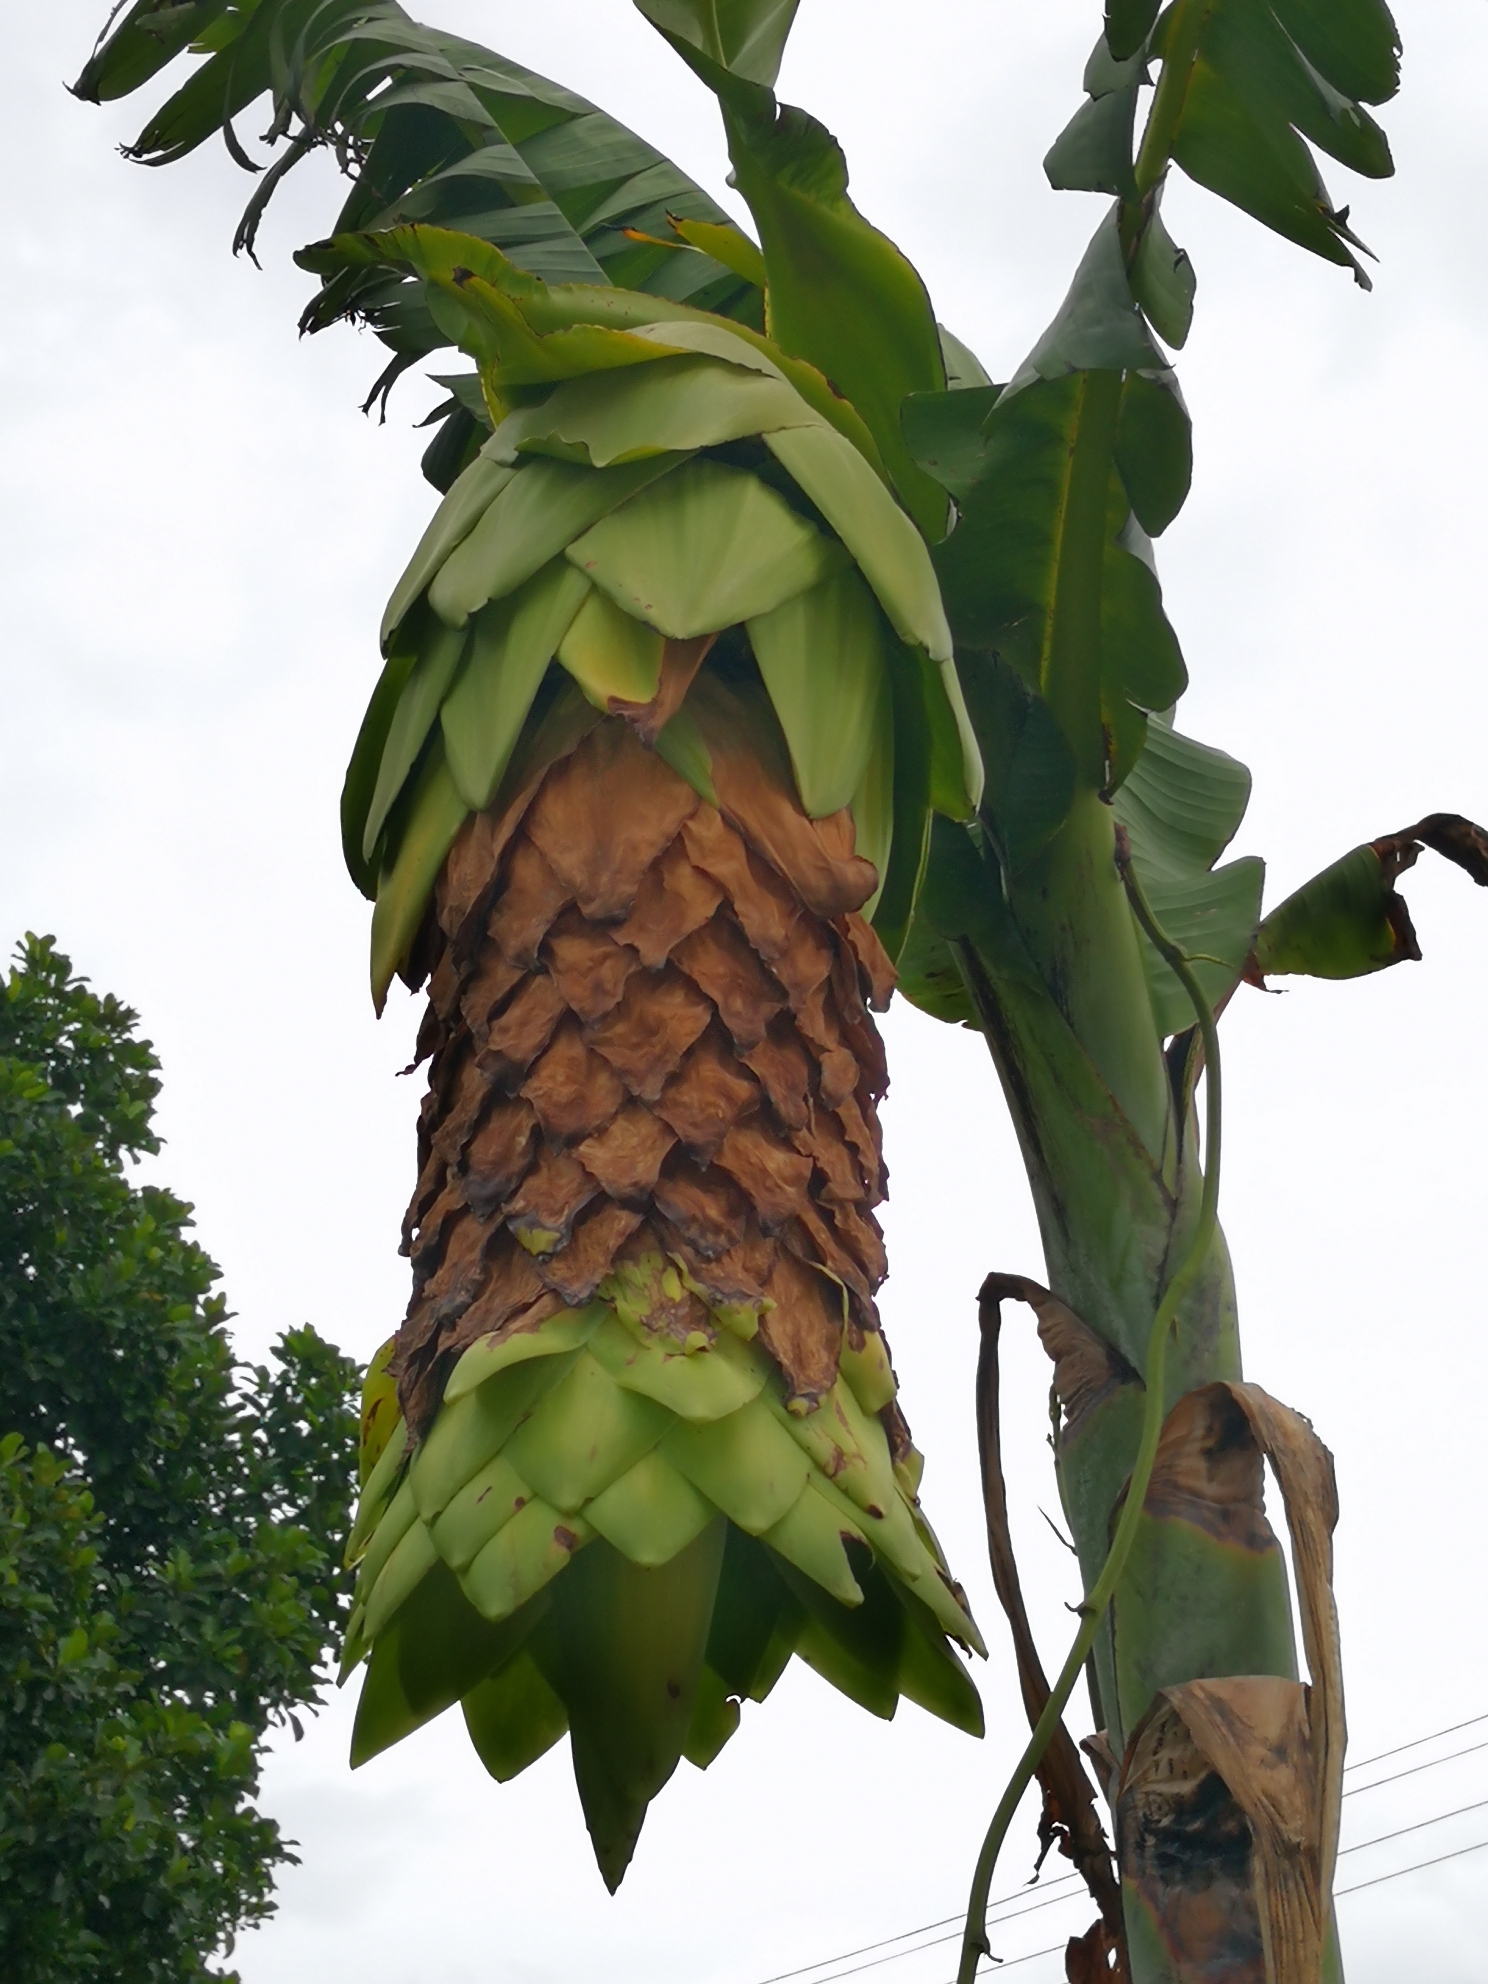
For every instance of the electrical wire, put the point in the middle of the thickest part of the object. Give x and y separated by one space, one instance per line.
1051 1901
1010 1915
904 1935
952 1922
1476 1847
1415 1743
1012 1962
1395 1776
1420 1826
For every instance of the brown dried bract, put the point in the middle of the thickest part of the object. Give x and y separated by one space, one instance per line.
680 662
619 1073
1087 1369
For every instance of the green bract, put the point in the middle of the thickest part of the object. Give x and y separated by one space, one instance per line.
689 490
667 1484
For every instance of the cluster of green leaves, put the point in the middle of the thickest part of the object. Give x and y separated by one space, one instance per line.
430 129
1057 483
128 1846
1063 478
171 1524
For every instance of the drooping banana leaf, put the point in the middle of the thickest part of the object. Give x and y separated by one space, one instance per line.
430 128
525 332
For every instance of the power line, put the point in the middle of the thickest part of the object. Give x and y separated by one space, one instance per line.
1395 1776
1012 1962
1011 1915
1476 1847
1440 1819
866 1949
1052 1901
1065 1880
934 1944
1415 1744
1055 1949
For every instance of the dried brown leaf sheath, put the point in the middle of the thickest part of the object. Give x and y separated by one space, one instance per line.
1228 1801
648 1036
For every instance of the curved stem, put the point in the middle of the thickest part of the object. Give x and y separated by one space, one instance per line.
974 1945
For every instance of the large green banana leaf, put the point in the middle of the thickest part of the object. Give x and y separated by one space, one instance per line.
1059 478
430 128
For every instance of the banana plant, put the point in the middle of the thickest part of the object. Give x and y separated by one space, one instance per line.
763 654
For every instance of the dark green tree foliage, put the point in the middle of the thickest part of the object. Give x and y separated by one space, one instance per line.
171 1525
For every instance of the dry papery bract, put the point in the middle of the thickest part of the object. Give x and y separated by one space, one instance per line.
650 1050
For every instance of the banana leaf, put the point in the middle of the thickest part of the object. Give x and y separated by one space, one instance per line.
1350 920
1181 806
837 292
430 128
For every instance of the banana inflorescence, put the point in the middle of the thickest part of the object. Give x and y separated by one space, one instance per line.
665 710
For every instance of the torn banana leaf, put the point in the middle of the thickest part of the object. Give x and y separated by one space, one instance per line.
1349 920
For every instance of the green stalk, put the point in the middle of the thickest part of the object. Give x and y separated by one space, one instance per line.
1071 662
974 1944
1189 21
1075 920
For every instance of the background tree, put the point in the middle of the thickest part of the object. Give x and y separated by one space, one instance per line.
170 1525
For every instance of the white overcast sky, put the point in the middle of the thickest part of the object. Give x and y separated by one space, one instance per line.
198 530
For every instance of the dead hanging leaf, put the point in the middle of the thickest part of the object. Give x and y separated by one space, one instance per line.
1228 1802
1087 1369
1449 835
1069 1817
